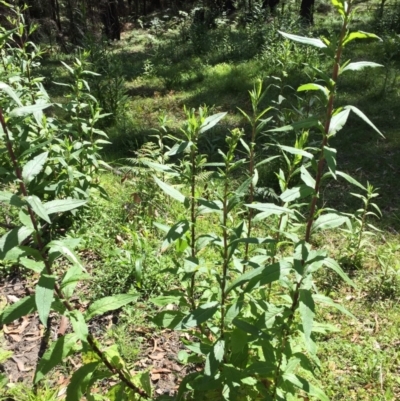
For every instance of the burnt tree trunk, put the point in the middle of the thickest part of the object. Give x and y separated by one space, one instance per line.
110 18
307 11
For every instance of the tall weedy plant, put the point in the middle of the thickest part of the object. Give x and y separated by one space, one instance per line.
37 178
257 327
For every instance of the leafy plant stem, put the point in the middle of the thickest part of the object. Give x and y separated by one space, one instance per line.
329 112
193 220
41 245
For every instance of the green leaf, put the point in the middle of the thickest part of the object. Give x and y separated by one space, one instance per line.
314 87
163 300
36 266
302 39
307 313
333 265
309 122
63 205
13 238
359 35
306 386
80 381
211 121
268 209
142 381
200 315
179 148
351 180
339 5
338 121
295 151
172 192
169 319
214 358
322 299
365 118
71 278
360 65
6 88
56 354
330 157
107 304
63 247
34 167
11 199
24 110
328 221
44 296
266 274
306 177
79 325
23 307
294 193
176 232
36 204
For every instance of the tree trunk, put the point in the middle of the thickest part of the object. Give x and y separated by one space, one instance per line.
307 11
110 18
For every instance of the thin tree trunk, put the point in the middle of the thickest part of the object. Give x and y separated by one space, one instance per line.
307 11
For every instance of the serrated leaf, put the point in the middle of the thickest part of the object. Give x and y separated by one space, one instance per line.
338 121
56 354
23 307
211 121
34 167
359 35
294 193
365 118
80 381
36 204
24 110
44 296
63 205
172 192
142 381
328 221
107 304
330 157
176 232
360 65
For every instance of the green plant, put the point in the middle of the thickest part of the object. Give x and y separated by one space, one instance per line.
33 191
256 331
